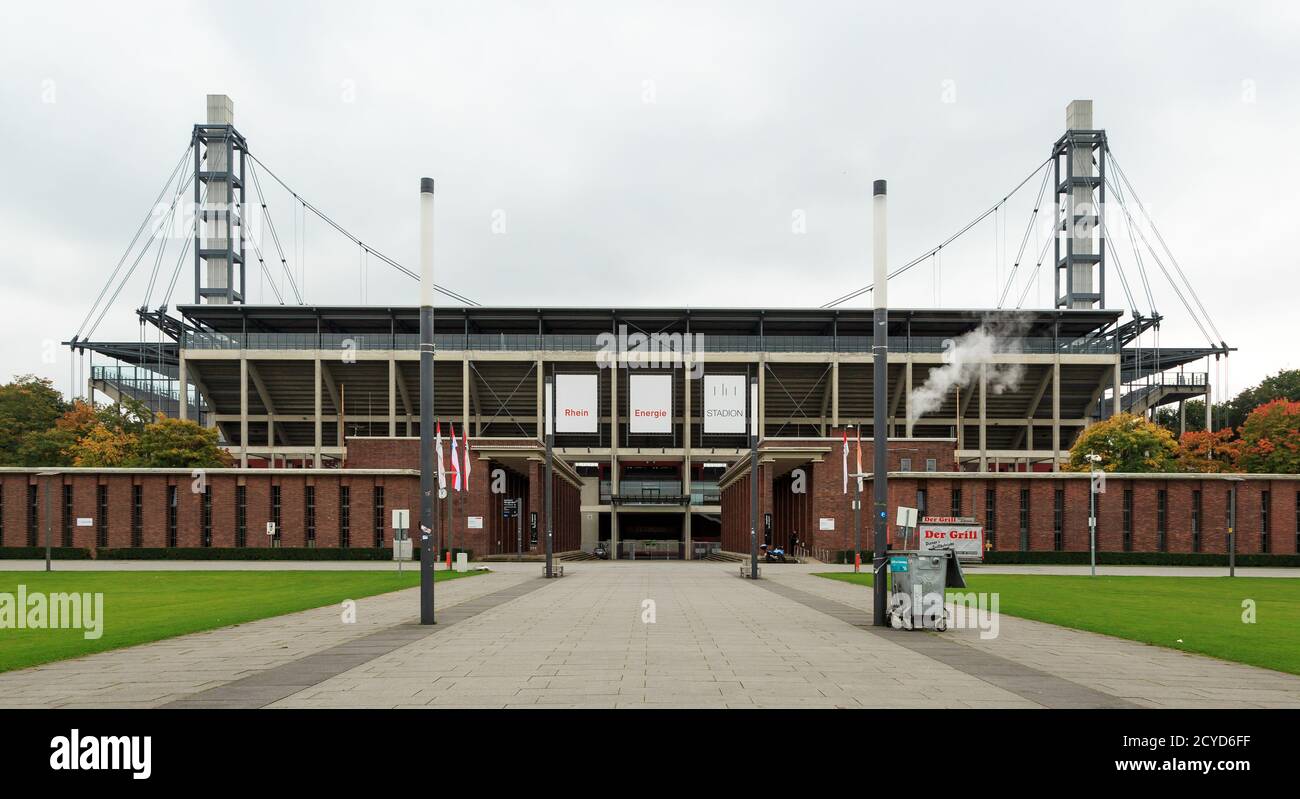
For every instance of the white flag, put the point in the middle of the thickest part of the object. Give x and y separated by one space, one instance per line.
846 461
464 432
437 453
455 459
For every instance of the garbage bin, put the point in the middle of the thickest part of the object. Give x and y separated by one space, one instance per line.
918 580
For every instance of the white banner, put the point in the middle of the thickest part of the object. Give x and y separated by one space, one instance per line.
962 534
650 403
577 408
724 404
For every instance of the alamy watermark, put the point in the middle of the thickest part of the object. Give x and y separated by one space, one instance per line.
36 610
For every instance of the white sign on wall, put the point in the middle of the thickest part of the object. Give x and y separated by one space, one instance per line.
650 403
962 534
825 523
85 521
475 523
576 403
724 403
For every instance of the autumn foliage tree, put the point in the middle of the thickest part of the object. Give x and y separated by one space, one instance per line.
1270 438
1213 452
1125 443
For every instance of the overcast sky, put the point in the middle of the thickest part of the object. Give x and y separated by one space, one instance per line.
653 154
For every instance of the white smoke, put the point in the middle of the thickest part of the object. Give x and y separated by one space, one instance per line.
965 356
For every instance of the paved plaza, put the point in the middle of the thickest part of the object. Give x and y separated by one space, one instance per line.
628 634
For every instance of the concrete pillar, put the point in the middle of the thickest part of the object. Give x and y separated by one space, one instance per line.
1078 116
243 412
686 522
464 391
1056 414
984 418
316 409
392 397
221 111
762 393
1209 414
183 380
1116 387
1182 418
541 400
907 395
835 392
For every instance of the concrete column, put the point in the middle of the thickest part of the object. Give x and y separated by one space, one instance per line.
1209 414
392 397
686 522
1116 387
541 400
961 423
464 391
835 392
1078 116
984 418
1182 418
762 393
316 409
1056 414
243 411
907 395
183 380
220 198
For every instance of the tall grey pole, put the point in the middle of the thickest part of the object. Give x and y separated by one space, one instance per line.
857 518
550 457
880 381
1232 531
428 469
753 477
49 519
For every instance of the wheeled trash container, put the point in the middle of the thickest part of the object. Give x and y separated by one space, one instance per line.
917 581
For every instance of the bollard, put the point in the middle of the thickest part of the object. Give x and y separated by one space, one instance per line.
857 562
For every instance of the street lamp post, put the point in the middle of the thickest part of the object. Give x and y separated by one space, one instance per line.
753 477
49 514
880 375
427 467
1093 460
550 446
1232 525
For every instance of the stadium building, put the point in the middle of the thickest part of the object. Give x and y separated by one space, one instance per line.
319 407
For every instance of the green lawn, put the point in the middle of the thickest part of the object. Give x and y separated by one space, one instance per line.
147 606
1192 614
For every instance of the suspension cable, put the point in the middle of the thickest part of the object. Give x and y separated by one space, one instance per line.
919 259
161 193
324 218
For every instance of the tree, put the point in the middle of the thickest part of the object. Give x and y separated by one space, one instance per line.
1216 452
28 405
1270 438
176 443
1126 443
106 447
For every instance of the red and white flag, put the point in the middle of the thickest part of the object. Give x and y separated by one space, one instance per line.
464 432
859 458
455 459
846 461
437 454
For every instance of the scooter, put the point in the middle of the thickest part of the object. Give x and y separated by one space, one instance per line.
774 555
601 552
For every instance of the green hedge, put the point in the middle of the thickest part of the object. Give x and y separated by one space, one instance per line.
38 553
245 553
1051 558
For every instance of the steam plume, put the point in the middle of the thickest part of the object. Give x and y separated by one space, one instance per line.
963 358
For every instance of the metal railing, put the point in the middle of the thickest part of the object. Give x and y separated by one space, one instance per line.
531 342
158 392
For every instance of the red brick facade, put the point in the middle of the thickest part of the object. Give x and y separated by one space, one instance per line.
1032 496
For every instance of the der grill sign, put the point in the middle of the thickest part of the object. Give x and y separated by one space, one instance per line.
961 534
